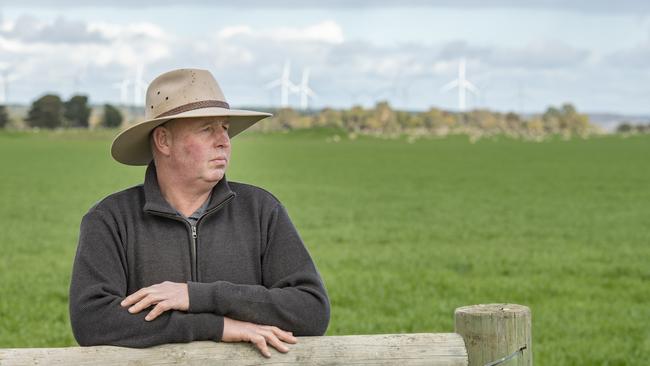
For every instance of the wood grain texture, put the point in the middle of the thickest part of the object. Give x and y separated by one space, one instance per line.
493 331
386 349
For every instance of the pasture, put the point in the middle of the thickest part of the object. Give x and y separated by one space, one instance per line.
402 233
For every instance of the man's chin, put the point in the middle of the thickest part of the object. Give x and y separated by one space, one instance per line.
214 177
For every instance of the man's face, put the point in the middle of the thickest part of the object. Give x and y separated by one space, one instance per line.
200 148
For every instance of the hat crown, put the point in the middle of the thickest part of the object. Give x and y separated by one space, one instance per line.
178 88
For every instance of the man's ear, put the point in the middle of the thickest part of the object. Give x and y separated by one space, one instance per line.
161 140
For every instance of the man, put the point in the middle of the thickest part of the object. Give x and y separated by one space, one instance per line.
187 255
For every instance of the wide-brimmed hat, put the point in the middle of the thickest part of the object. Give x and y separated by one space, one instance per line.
182 93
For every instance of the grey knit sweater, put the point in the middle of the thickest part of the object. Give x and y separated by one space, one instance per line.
244 259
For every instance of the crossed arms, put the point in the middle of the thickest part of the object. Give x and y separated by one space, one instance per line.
102 313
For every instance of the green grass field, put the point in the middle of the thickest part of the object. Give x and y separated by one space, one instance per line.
402 233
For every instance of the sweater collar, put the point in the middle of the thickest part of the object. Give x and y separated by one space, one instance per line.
155 202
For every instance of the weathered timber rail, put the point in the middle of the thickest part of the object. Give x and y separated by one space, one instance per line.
485 335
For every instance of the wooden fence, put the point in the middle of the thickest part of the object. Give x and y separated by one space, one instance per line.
485 335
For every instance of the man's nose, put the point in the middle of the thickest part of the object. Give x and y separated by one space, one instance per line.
222 138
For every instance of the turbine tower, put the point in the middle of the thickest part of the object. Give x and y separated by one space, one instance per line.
3 88
462 84
139 86
5 78
123 86
305 91
285 84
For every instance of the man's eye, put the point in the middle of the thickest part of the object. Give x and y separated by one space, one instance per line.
225 127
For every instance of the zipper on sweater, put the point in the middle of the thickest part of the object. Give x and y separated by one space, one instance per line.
195 237
194 264
194 256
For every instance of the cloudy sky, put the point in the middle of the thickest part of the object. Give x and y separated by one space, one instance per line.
522 55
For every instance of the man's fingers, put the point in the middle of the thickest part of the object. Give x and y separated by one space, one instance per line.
273 340
260 335
134 297
260 342
143 304
283 335
156 311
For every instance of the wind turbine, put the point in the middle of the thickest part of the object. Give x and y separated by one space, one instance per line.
4 88
139 86
522 96
5 78
78 79
305 91
124 90
285 84
462 84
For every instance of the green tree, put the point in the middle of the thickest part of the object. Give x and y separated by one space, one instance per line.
46 112
436 119
287 118
4 116
354 119
112 117
513 121
76 111
384 118
552 119
329 117
575 122
625 127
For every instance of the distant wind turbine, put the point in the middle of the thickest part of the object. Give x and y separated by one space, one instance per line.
305 91
285 84
4 88
462 84
139 86
522 96
123 86
78 79
5 79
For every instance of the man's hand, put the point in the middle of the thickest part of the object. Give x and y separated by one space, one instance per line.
166 296
259 335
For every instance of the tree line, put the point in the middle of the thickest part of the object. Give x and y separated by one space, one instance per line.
629 127
384 120
50 111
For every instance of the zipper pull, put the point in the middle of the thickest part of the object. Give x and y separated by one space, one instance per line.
194 231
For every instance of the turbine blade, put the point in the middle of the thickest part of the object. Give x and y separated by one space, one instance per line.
450 85
286 71
305 77
471 87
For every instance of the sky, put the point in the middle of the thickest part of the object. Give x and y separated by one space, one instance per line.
522 56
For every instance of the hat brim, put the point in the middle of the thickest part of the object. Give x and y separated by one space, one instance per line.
131 146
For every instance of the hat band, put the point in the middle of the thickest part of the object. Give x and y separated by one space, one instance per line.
195 105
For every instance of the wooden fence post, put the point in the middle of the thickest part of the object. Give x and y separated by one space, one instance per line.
496 334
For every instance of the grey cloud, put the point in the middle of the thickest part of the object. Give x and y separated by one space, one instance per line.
347 73
635 57
541 55
61 30
457 49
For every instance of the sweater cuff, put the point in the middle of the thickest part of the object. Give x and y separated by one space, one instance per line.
208 327
207 297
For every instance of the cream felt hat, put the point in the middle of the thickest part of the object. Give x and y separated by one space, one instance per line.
182 93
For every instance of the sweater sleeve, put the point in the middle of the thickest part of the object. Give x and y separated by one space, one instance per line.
291 297
99 284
